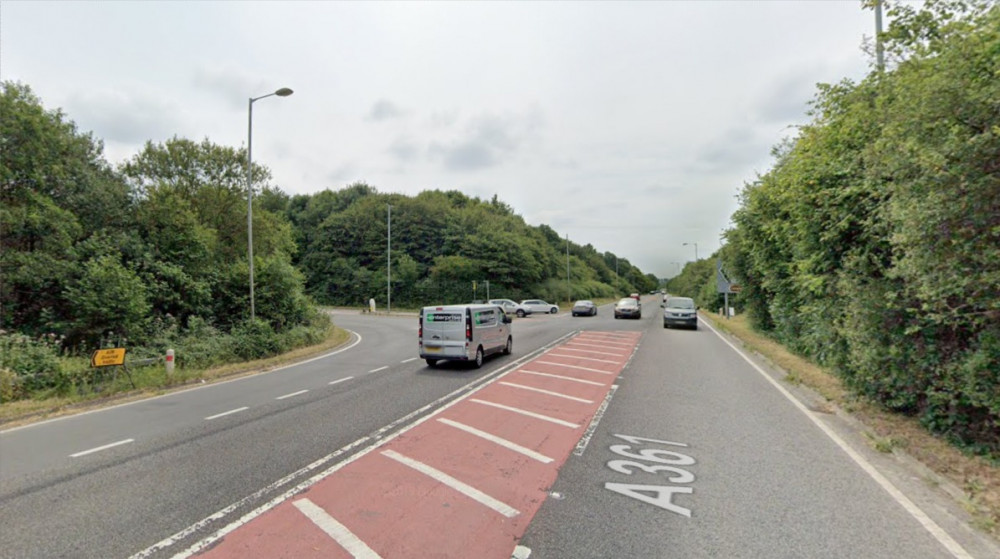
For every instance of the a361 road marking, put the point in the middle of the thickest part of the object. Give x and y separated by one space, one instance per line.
652 461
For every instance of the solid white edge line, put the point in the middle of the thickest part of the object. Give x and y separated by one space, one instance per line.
340 534
919 515
498 440
225 413
345 379
215 536
379 369
100 448
526 412
548 392
199 387
560 377
300 392
460 486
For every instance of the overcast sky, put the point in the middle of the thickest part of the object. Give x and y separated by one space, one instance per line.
631 126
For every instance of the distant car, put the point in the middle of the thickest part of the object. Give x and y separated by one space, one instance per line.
538 306
509 307
680 311
584 308
628 308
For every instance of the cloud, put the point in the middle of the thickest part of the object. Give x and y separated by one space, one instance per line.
485 141
404 149
384 110
124 116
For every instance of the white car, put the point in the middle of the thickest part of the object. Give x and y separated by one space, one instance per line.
530 306
509 306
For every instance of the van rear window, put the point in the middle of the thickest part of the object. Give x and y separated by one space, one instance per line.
443 317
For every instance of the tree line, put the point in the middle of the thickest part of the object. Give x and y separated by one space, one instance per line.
154 250
873 244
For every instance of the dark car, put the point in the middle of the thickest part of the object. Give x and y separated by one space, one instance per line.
680 311
628 308
584 308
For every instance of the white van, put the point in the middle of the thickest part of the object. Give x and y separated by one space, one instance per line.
463 333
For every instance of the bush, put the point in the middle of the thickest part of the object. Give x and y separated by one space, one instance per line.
31 364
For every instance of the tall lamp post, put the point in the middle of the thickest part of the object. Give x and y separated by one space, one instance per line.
695 250
283 92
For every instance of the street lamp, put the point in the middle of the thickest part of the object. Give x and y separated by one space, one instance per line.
283 92
695 250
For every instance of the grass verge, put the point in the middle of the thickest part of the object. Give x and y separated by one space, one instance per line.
20 412
975 482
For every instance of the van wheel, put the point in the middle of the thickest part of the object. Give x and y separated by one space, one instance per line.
431 362
510 347
520 313
479 357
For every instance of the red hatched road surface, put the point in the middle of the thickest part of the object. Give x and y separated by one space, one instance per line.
465 482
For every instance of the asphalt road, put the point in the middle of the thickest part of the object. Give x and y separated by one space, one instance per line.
744 472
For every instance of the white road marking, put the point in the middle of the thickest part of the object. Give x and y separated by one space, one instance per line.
575 367
379 369
549 392
567 348
100 448
560 377
498 440
340 380
936 531
604 340
521 552
376 439
581 445
410 359
584 358
463 488
340 534
525 412
225 413
291 395
584 344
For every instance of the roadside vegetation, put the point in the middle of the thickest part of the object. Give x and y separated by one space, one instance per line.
152 255
872 247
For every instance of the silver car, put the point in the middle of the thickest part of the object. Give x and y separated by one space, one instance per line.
509 307
538 306
584 308
680 311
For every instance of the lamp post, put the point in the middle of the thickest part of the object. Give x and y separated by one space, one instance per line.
283 92
695 250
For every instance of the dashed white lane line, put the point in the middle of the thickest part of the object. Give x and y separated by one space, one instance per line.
340 380
526 412
410 359
100 448
548 392
561 377
291 395
463 488
225 413
575 367
498 440
379 369
344 537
